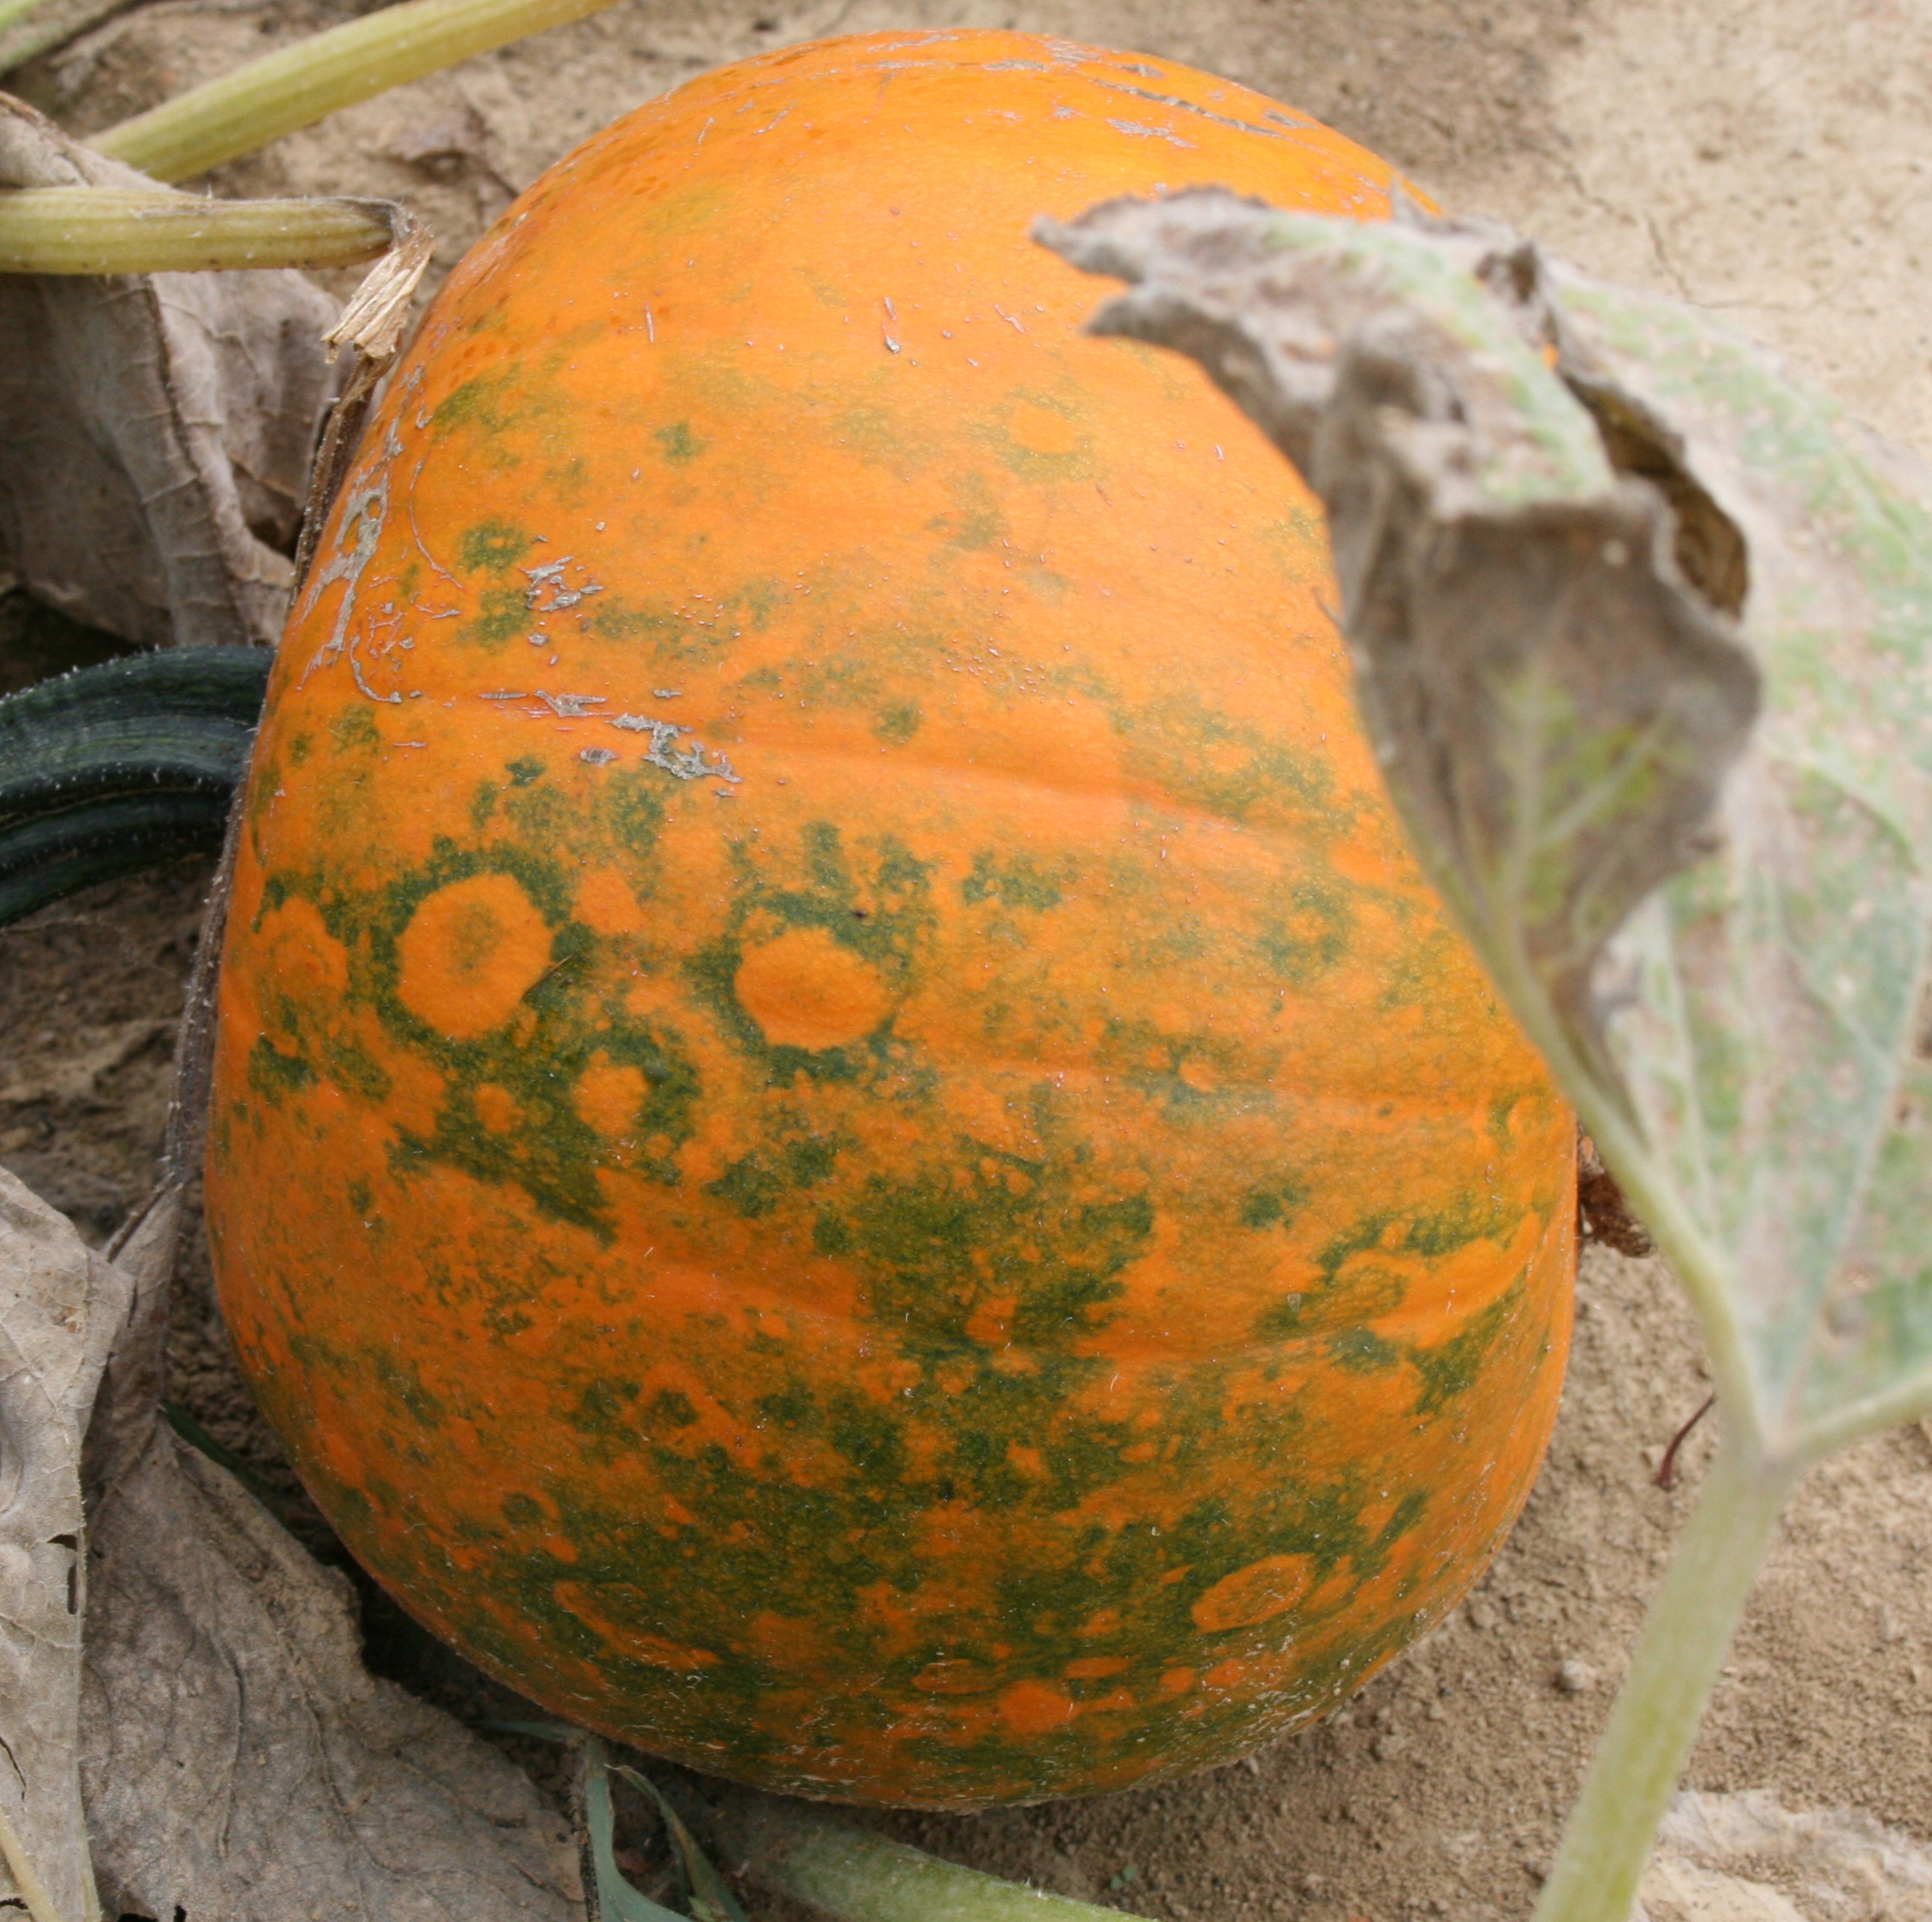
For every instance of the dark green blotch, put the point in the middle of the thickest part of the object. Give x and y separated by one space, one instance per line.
634 807
503 614
756 1184
977 522
1304 944
1362 1352
896 725
1278 1204
886 925
1456 1365
523 771
556 1160
679 444
476 403
1286 1318
1017 883
354 730
493 547
1473 1218
405 1387
272 1074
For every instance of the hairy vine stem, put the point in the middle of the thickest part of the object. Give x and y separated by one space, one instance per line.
1643 1749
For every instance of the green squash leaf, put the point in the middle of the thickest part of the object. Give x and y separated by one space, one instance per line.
711 1897
1640 630
616 1899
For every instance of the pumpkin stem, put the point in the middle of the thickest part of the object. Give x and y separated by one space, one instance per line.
299 85
862 1878
106 229
1641 1756
120 766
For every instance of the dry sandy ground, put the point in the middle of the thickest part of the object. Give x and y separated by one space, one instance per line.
1764 157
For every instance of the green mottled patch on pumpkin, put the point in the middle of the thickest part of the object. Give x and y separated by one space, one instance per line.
617 618
1414 976
754 1184
475 403
976 520
573 1019
402 1383
353 730
494 411
1274 1204
351 1067
1297 542
502 615
1184 1073
1222 764
273 1075
884 916
1015 442
1017 881
1362 1352
493 547
1453 1367
897 723
678 444
933 1250
1301 1311
1305 931
1468 1218
633 815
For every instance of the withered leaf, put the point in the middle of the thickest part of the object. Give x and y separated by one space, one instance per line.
60 1306
241 1762
1641 628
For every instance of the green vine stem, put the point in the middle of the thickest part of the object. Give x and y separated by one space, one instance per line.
301 84
106 229
1642 1751
862 1878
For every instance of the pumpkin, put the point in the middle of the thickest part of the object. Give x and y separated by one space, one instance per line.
844 1144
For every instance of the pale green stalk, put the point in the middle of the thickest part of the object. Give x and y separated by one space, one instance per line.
303 83
863 1877
1643 1749
27 1881
29 28
104 229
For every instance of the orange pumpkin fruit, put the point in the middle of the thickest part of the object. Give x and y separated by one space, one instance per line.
845 1144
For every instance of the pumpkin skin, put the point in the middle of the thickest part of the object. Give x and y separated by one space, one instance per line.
935 1216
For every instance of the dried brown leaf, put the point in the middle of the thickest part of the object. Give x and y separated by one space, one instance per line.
59 1308
1643 629
241 1762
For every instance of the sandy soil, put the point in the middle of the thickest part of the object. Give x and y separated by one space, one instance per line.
1763 157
